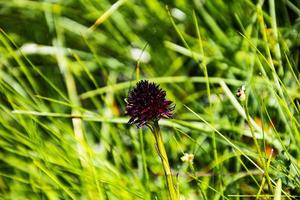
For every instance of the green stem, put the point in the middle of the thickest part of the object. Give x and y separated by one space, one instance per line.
253 132
266 173
164 159
145 171
198 181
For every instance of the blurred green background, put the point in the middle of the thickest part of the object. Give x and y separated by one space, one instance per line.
66 67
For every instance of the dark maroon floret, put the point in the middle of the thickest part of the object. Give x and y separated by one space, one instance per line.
147 102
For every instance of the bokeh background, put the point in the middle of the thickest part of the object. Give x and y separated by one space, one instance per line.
66 67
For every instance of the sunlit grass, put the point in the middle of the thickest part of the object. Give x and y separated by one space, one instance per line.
65 71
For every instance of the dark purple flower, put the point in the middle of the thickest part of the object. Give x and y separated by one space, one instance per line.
146 103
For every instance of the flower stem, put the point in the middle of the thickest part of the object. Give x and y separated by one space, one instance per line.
164 158
262 162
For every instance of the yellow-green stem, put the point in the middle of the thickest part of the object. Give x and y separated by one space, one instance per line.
165 162
266 173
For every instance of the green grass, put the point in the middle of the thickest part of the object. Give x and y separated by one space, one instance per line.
66 68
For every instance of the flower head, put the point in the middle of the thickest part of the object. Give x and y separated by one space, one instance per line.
147 102
188 158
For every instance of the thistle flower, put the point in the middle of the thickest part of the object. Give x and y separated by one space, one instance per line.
147 103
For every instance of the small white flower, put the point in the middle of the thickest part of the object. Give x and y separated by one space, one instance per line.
187 157
241 93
